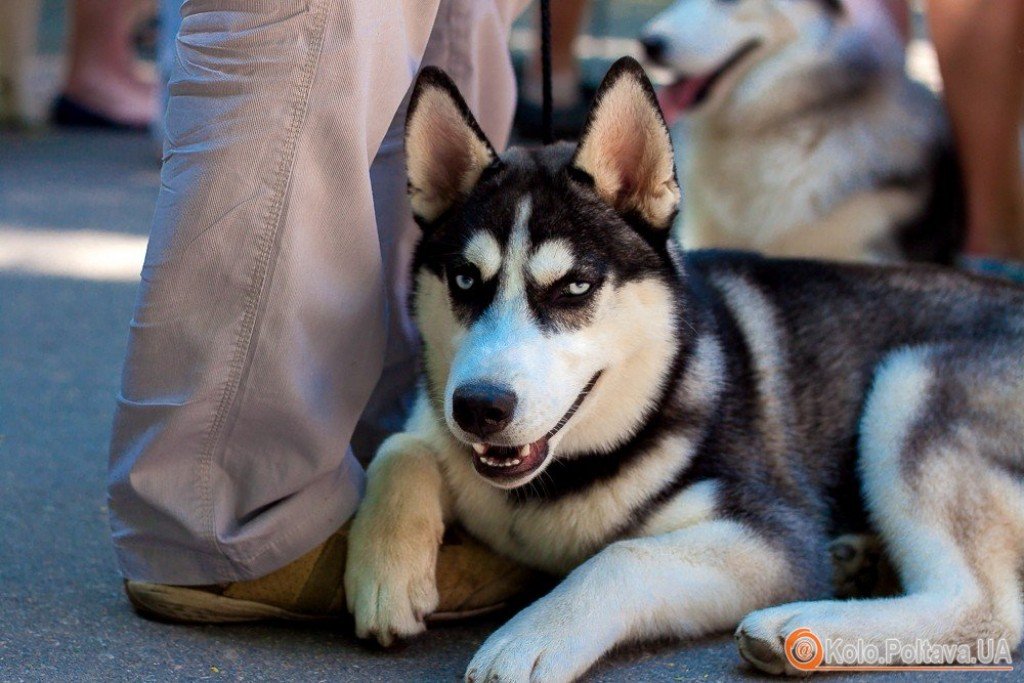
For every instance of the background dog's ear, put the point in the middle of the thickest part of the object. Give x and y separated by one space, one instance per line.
445 149
626 149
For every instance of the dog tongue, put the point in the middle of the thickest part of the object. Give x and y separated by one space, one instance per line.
675 99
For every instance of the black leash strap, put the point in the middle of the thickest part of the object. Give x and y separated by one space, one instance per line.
545 61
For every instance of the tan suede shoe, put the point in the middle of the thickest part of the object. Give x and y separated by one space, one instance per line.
471 580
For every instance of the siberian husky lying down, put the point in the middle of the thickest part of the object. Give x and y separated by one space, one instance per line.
803 134
680 435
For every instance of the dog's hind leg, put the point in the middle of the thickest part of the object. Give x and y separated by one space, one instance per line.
860 568
942 441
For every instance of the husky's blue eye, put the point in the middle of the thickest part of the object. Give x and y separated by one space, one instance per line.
577 288
464 282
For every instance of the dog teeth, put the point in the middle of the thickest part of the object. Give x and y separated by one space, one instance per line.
524 451
500 463
480 448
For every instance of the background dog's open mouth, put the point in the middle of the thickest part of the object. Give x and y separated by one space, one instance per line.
503 463
689 91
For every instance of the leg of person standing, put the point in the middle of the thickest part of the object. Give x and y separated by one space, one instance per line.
262 321
569 101
103 87
980 46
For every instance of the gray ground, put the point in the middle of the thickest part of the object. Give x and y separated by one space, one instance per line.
62 613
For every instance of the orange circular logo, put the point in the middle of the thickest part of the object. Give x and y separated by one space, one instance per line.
804 650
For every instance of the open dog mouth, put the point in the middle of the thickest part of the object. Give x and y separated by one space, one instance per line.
688 92
506 463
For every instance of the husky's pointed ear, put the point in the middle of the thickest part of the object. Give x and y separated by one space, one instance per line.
445 149
626 150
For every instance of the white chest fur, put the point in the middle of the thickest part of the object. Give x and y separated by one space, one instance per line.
557 535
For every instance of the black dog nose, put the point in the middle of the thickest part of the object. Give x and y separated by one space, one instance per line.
483 409
655 47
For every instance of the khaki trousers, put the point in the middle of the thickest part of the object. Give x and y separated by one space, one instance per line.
272 298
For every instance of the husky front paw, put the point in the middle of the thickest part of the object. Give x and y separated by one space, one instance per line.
542 643
761 637
390 582
762 649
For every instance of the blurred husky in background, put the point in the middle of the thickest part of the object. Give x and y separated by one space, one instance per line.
802 133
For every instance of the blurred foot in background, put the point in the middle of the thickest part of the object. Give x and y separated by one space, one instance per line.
570 101
105 85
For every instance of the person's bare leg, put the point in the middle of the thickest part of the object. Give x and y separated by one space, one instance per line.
102 73
981 55
566 19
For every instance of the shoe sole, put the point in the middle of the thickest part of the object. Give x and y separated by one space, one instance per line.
184 605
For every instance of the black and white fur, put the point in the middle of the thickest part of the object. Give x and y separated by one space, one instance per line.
802 135
680 435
